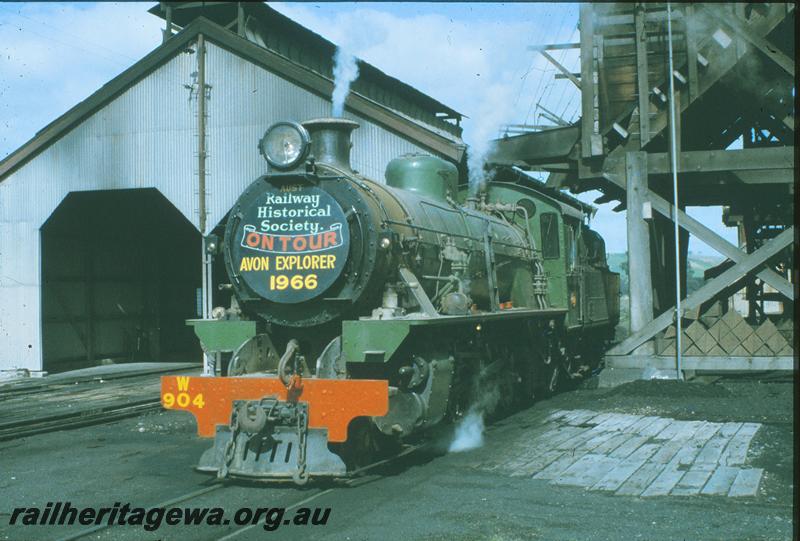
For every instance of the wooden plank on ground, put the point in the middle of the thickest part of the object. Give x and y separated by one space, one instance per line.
597 440
644 452
667 451
693 480
729 429
678 430
537 464
562 434
655 427
640 480
663 483
627 448
746 483
720 482
586 471
641 424
614 479
557 414
555 468
612 443
712 450
582 418
736 451
578 440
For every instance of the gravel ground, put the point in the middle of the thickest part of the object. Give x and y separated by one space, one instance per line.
434 496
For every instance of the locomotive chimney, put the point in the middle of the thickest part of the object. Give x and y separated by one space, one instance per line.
330 140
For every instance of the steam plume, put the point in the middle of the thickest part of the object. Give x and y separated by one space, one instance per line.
345 71
469 430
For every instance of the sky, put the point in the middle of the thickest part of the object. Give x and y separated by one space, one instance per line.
470 56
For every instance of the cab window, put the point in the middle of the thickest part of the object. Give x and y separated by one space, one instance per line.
572 247
549 226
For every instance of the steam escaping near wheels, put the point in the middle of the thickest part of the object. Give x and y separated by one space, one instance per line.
469 432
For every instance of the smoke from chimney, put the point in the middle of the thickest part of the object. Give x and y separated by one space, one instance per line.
345 71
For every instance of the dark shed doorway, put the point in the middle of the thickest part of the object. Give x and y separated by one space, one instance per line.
120 275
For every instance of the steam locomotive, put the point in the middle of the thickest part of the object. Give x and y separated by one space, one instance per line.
363 313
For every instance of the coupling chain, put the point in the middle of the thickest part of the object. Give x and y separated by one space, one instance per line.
301 475
230 447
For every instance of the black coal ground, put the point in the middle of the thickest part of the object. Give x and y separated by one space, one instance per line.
148 460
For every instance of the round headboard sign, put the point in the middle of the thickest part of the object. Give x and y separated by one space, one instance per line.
291 243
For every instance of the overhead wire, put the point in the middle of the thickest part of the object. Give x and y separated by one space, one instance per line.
545 95
65 43
530 67
560 59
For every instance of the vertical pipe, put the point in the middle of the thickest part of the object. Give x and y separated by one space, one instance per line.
673 152
201 131
208 364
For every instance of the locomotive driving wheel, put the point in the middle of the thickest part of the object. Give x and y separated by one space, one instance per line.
256 354
556 360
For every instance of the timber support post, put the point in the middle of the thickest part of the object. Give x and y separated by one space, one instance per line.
639 272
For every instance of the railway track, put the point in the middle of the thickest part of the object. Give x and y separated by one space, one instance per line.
28 408
67 421
356 478
13 390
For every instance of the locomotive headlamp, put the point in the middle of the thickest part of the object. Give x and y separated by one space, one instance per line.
212 244
284 144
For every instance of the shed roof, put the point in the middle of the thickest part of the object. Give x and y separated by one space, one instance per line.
296 42
430 138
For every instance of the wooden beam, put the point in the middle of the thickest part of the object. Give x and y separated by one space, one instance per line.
554 47
704 161
747 264
691 55
604 107
587 79
720 65
710 363
760 43
552 116
643 84
712 239
561 68
720 244
766 176
240 19
640 275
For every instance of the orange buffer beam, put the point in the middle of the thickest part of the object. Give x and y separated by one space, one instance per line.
332 403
